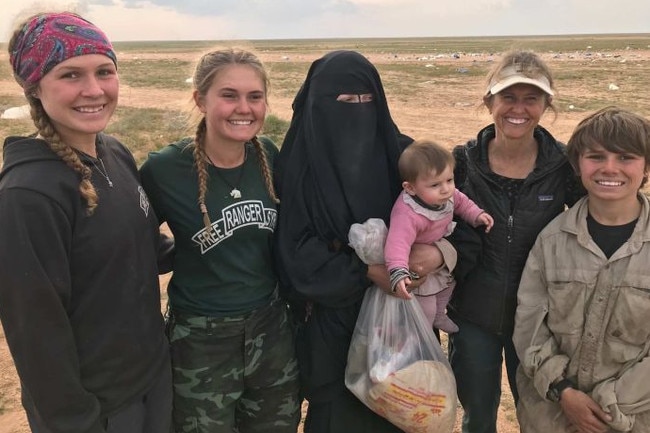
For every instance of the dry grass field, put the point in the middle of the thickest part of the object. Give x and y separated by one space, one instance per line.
433 85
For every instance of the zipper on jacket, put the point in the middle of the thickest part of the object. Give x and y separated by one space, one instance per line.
511 223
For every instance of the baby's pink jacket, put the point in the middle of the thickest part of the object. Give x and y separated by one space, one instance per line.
411 223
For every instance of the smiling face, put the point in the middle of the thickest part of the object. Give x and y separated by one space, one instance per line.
234 105
516 110
80 95
433 188
611 178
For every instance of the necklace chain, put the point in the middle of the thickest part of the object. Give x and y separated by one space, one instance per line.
104 173
234 192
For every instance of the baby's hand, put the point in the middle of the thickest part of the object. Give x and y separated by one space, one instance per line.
401 288
486 220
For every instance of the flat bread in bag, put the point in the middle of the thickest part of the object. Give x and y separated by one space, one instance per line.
404 401
395 365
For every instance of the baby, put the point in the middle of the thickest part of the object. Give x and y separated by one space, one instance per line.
423 213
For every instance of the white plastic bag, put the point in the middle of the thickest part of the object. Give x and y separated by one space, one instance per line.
396 366
368 240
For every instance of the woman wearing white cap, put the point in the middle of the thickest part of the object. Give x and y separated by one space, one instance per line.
520 175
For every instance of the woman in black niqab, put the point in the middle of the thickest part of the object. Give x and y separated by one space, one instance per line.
337 166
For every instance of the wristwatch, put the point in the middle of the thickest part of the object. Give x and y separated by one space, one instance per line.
554 392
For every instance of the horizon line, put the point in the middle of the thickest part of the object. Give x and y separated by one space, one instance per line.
505 36
341 38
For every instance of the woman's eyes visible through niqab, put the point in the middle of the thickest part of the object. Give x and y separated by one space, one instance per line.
354 98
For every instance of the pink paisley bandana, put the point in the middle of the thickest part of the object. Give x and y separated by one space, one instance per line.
49 39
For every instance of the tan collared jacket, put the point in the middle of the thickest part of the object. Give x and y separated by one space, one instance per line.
587 318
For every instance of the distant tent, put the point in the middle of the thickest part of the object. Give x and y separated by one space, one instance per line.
21 112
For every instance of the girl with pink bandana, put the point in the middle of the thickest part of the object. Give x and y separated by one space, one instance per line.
79 291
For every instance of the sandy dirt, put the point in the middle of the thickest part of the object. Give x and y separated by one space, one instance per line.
447 115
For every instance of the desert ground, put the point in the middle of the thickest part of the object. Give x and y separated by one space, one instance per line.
434 91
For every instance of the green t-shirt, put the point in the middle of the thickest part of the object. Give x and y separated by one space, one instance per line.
229 271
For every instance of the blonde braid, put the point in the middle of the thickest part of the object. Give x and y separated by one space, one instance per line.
202 170
65 152
266 170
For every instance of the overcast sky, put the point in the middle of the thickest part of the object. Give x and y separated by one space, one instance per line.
125 20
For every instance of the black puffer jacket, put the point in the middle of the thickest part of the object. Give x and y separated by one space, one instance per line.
490 265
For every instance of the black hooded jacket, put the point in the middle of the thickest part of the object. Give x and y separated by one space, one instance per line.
79 294
490 264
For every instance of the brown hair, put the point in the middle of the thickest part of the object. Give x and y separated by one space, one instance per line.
47 131
530 65
209 66
615 129
423 157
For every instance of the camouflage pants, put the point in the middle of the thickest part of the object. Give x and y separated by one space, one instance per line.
235 374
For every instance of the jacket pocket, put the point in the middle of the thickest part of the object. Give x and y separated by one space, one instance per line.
566 307
628 330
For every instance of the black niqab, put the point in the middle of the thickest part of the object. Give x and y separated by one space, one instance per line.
337 166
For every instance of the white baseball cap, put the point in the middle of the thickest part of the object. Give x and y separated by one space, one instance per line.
510 76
